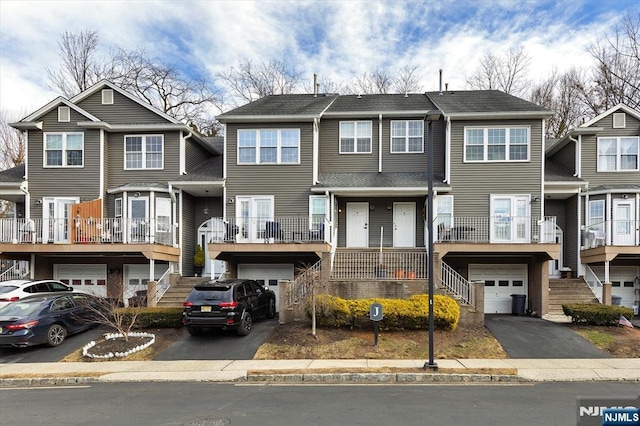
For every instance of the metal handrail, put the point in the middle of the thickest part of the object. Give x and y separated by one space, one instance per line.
594 283
163 283
299 229
456 283
497 229
19 269
301 285
371 264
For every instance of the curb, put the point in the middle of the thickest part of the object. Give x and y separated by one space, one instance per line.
384 378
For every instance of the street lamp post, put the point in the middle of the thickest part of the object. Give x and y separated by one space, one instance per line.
431 363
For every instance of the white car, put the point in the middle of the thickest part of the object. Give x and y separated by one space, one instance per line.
13 290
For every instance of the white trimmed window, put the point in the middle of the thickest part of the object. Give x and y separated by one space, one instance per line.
269 146
444 211
63 149
618 154
407 136
64 114
163 214
596 215
118 207
317 210
107 96
355 137
143 152
496 144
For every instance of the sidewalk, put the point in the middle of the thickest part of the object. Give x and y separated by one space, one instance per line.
325 371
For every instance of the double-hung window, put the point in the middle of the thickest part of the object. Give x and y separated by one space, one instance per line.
355 137
64 149
496 144
618 154
143 152
407 136
269 146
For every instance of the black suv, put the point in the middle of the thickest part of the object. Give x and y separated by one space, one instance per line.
227 305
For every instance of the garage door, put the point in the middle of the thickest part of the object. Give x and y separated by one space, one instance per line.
623 279
267 275
500 282
136 277
90 279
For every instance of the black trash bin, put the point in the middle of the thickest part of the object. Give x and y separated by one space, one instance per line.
616 300
517 304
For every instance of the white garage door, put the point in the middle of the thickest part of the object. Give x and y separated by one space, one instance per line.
90 279
267 275
500 282
622 282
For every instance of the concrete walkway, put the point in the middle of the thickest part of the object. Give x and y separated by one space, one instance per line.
327 371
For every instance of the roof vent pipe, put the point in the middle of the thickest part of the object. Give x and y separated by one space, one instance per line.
446 87
441 81
315 85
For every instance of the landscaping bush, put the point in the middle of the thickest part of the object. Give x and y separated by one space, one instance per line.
155 317
596 314
398 314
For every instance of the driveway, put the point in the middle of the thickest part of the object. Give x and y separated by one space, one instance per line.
216 344
535 338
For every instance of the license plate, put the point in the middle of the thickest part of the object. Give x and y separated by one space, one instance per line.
205 308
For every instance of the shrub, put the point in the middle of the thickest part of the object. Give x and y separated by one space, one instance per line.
596 314
155 317
398 314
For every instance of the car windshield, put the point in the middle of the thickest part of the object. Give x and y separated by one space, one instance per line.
20 309
7 288
208 293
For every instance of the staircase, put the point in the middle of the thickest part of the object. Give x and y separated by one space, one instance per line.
176 294
568 290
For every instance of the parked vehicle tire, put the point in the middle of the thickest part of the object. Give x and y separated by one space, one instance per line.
194 331
245 324
271 310
56 335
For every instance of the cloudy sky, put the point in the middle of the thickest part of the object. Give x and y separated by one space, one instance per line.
336 39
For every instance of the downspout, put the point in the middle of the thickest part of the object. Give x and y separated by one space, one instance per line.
224 171
316 138
101 195
577 152
183 151
542 166
379 143
447 159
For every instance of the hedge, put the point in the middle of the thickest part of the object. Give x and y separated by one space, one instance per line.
596 314
398 314
155 317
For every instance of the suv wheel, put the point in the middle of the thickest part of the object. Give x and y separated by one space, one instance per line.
245 324
194 331
271 310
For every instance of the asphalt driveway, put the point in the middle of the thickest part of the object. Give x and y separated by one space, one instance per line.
535 338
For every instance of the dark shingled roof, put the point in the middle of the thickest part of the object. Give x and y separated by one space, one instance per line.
14 174
207 171
377 180
554 172
376 103
216 142
481 101
276 105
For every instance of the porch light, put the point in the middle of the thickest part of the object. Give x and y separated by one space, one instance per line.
206 205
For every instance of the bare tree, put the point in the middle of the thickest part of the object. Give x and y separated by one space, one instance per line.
407 80
12 142
378 81
616 75
325 85
507 73
249 80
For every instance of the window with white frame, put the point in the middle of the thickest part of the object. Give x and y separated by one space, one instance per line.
163 214
317 210
444 211
407 136
143 152
496 144
269 146
618 154
64 114
355 137
596 215
63 149
118 207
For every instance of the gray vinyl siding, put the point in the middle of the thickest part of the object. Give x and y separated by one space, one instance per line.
566 156
331 161
590 153
189 234
289 183
117 175
83 182
410 162
380 217
572 238
195 154
473 183
122 111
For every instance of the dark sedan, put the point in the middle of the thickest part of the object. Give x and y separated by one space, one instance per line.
46 319
227 305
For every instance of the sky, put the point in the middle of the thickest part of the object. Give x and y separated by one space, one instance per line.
335 39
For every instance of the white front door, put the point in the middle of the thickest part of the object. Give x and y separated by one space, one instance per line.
500 282
510 219
404 224
138 219
624 223
55 218
211 231
252 214
357 224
